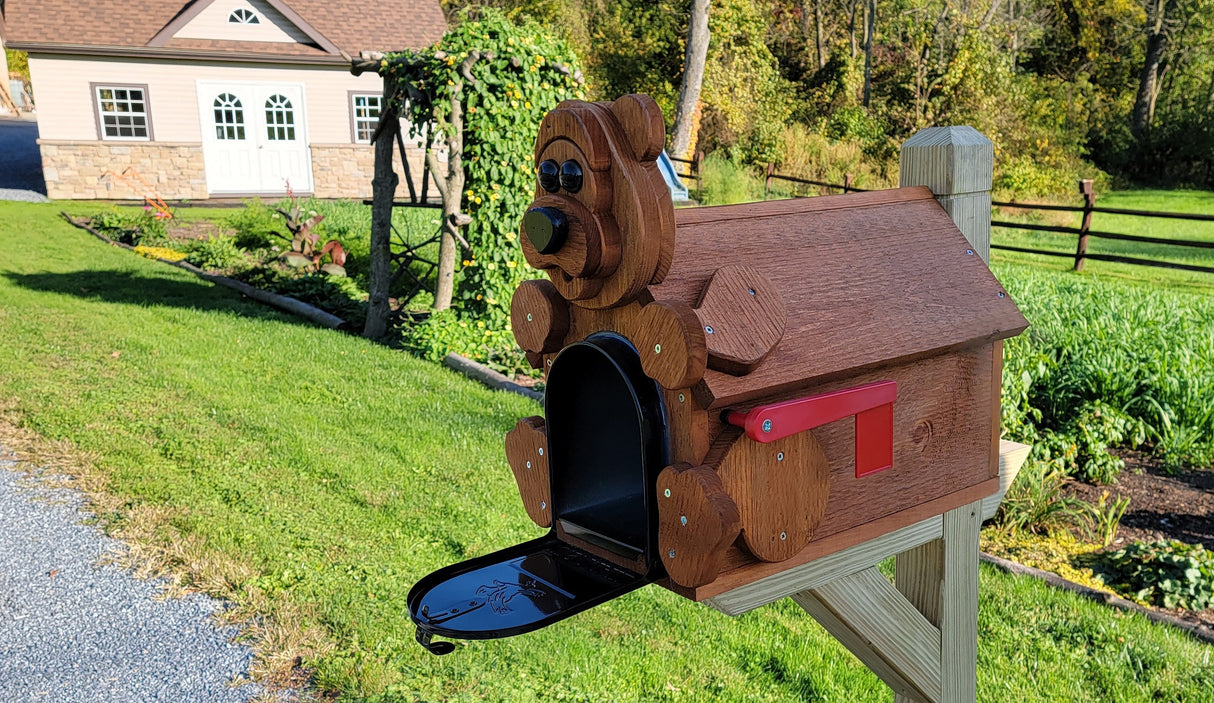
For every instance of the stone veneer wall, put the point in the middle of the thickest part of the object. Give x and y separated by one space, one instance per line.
346 170
73 170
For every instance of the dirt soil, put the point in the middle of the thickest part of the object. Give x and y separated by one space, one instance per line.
195 229
1163 506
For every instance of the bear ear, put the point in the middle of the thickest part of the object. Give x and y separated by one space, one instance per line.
642 121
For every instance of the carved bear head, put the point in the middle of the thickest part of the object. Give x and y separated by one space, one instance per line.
602 224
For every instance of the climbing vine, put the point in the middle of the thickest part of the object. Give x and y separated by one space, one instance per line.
493 80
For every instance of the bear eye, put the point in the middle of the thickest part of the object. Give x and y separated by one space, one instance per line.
550 178
571 176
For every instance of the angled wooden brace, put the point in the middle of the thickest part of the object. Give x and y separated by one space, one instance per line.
918 634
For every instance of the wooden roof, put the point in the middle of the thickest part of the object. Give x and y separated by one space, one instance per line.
866 279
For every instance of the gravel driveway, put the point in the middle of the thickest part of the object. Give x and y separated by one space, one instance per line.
72 631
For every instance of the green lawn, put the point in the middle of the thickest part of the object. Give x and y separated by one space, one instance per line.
1201 202
335 472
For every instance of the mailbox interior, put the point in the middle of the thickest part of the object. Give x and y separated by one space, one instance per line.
607 443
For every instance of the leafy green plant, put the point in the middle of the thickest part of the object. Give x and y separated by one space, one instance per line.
216 254
336 294
522 72
1172 574
1107 516
1106 365
132 227
1035 501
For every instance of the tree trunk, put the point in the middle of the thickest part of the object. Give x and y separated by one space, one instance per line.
383 191
1157 44
818 33
693 79
816 29
452 195
870 18
851 26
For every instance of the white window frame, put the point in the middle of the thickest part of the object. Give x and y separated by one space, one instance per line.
356 120
96 88
249 16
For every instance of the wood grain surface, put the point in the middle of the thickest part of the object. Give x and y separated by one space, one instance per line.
745 314
526 450
670 341
539 317
697 520
780 489
861 280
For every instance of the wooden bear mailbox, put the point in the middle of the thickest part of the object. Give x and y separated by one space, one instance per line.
734 392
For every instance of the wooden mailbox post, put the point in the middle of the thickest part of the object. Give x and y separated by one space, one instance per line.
754 402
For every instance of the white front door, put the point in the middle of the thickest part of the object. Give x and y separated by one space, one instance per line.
254 137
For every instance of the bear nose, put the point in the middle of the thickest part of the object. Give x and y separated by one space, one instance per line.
546 227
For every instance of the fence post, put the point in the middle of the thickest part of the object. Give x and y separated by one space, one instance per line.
846 183
1089 202
956 163
771 171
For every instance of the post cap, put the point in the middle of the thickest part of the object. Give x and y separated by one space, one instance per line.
948 160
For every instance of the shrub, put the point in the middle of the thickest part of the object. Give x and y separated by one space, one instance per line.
256 226
445 332
216 254
335 294
1106 365
1035 502
725 181
132 227
1172 574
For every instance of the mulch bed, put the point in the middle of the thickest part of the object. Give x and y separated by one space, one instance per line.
1163 506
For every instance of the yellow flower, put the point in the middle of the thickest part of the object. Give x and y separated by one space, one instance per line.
527 105
478 297
511 264
477 201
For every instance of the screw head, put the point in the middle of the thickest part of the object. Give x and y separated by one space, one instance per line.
543 505
681 398
670 554
780 456
708 329
683 519
969 251
541 451
550 362
529 464
1002 294
783 536
528 317
751 291
657 349
666 493
767 425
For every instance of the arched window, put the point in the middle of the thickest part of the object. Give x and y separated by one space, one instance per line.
229 117
243 15
280 119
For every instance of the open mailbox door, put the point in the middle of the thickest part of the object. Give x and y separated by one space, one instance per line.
607 443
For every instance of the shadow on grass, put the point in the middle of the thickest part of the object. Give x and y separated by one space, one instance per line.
125 287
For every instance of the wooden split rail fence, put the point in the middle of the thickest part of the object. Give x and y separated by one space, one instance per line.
1084 231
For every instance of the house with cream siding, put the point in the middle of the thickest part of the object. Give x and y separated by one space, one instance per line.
211 98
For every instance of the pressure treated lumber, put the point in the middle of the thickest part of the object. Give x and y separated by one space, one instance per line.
872 619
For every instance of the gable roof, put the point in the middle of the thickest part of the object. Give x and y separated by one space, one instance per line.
146 27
